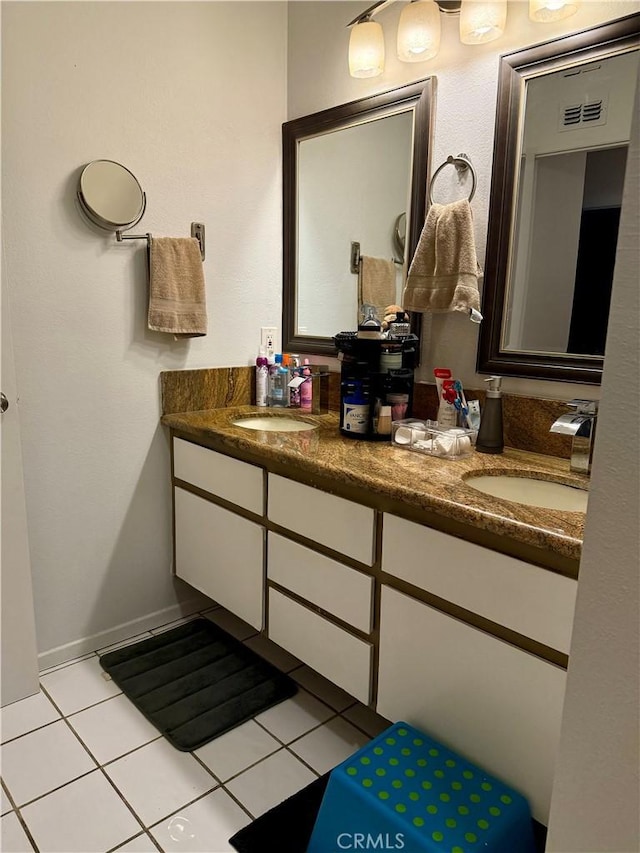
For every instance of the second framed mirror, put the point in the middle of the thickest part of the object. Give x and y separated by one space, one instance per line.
353 174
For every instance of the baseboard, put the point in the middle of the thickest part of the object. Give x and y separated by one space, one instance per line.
87 645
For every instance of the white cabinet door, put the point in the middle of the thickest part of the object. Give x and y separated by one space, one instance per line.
221 554
533 601
497 705
331 651
344 526
334 587
224 476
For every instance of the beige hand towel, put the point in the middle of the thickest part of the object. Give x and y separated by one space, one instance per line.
443 275
377 283
176 287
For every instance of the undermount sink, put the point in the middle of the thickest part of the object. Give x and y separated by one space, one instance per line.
526 490
275 423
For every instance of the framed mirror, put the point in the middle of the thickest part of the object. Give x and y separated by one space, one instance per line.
563 124
353 174
110 195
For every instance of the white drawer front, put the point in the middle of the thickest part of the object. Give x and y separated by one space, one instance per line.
497 705
228 478
343 525
535 602
336 654
221 554
346 593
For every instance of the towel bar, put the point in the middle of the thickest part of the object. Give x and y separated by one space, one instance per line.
462 164
197 231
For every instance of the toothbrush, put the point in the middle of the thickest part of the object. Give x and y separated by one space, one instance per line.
461 401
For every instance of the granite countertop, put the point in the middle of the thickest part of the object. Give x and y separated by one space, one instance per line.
419 481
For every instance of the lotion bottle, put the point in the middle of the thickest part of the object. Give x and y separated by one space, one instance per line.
490 437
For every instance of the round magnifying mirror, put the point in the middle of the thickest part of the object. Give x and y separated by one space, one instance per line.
110 195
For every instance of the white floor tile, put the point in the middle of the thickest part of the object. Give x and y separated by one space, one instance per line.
270 782
123 643
38 762
367 720
295 716
328 746
26 715
86 816
141 844
231 624
203 826
158 779
6 805
323 688
66 663
112 728
13 838
78 686
273 653
236 750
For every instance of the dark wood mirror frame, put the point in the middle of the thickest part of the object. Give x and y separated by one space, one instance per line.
420 95
586 46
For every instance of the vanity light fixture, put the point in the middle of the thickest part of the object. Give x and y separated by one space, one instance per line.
418 37
366 49
551 10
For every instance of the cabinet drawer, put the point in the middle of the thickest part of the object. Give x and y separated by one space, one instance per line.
343 525
498 705
228 478
532 601
221 554
346 593
339 656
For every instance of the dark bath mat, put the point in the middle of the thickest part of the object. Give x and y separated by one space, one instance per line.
196 682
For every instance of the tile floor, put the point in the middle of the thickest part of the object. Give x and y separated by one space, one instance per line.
84 772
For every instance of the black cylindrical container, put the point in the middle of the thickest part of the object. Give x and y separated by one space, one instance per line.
376 384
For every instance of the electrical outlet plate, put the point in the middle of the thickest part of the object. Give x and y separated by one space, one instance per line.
268 337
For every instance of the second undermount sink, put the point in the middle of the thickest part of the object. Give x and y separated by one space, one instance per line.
526 490
274 423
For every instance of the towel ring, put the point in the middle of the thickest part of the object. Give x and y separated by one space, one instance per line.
462 164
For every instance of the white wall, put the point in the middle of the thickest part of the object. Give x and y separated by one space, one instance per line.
467 79
191 97
596 796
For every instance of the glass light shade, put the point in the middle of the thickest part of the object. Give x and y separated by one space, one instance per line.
366 50
419 31
482 20
551 10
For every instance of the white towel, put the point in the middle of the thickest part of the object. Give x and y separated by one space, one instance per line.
444 272
377 283
176 287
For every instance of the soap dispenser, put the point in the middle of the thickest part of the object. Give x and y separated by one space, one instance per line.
490 437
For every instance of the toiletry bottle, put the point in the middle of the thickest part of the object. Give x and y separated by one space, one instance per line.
306 389
278 379
294 372
369 327
262 378
355 413
490 437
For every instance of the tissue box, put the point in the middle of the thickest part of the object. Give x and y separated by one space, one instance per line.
427 437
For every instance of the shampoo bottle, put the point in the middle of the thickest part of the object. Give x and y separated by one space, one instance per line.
490 437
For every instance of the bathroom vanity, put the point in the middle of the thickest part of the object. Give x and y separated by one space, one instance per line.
385 572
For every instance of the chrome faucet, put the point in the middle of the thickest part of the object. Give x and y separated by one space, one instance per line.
580 424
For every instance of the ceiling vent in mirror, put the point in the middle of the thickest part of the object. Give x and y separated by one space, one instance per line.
591 112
